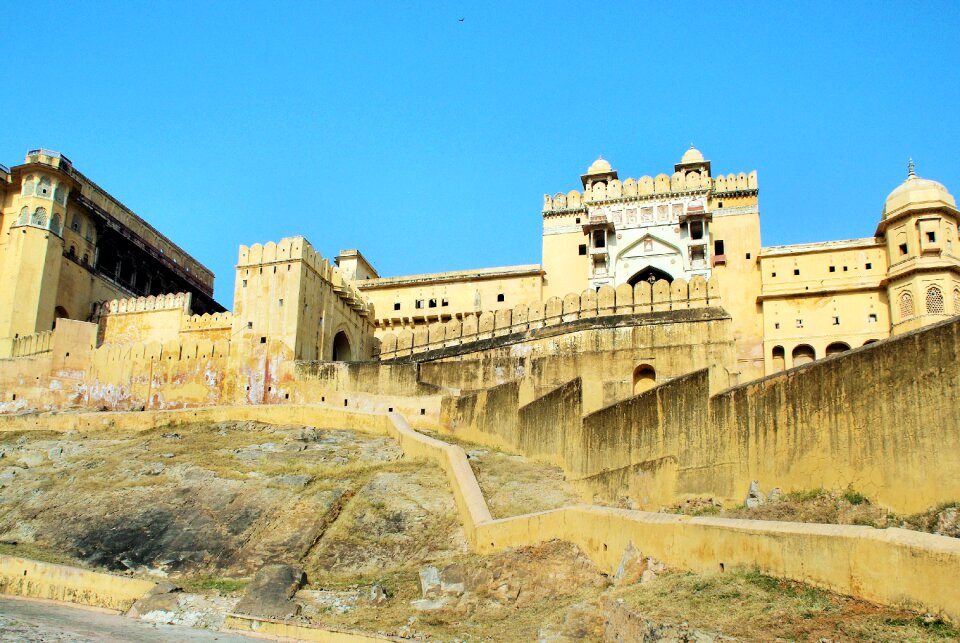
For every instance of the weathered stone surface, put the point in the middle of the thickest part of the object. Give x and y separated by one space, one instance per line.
271 592
754 495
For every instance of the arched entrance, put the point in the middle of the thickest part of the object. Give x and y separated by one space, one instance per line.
644 378
837 347
651 275
59 313
803 354
341 348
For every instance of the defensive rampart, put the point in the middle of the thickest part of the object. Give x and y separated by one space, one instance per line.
891 566
880 419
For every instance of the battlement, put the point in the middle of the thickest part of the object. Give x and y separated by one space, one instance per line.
171 301
35 344
607 301
651 187
299 249
216 321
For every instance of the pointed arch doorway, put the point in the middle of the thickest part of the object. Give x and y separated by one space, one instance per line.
651 275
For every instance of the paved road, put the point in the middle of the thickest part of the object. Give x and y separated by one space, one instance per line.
23 620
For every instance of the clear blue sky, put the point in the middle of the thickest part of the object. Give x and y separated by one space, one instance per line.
428 143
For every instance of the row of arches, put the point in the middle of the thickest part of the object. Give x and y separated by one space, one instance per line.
40 219
42 187
805 353
935 303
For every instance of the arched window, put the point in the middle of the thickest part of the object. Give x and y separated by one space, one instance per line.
39 218
72 252
779 358
934 301
24 217
837 347
956 301
89 234
75 222
55 224
28 185
644 378
803 354
43 187
60 194
906 305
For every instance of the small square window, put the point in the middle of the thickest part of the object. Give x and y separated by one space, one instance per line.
872 318
796 271
418 303
868 266
836 321
903 248
281 303
773 274
244 283
844 268
931 236
833 268
500 297
432 303
396 305
582 250
578 220
799 323
249 324
748 255
718 247
263 340
444 302
776 325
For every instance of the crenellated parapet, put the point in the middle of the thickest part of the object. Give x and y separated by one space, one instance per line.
650 187
299 249
171 301
625 299
216 321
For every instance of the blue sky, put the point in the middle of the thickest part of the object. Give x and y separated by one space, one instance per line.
428 143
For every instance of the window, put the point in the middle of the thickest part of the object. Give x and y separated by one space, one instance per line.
249 324
55 224
433 303
906 305
28 186
599 239
578 220
836 321
931 236
773 274
43 188
500 297
718 247
75 223
833 268
748 256
776 325
89 233
396 305
444 302
280 303
844 268
956 300
696 229
868 266
934 301
418 303
796 272
799 323
720 204
263 340
872 318
582 250
903 248
39 217
24 217
244 285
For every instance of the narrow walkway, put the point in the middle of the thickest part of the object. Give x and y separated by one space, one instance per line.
26 620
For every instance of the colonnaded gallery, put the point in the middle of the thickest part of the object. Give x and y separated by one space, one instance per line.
68 248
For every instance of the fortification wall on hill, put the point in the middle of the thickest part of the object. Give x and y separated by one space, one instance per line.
880 419
473 329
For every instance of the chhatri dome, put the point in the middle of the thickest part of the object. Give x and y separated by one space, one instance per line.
916 191
600 166
693 155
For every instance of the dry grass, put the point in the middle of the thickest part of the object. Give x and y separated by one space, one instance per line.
754 607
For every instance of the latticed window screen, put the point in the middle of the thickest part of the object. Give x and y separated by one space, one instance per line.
906 305
934 301
956 301
24 216
39 217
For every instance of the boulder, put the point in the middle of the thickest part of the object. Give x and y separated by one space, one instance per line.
430 582
754 495
270 593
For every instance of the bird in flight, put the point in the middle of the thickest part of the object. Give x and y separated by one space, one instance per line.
460 20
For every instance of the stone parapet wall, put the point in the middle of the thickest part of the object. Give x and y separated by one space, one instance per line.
607 301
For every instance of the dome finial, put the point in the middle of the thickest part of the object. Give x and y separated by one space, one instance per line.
910 173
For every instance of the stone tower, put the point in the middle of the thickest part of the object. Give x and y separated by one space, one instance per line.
919 227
